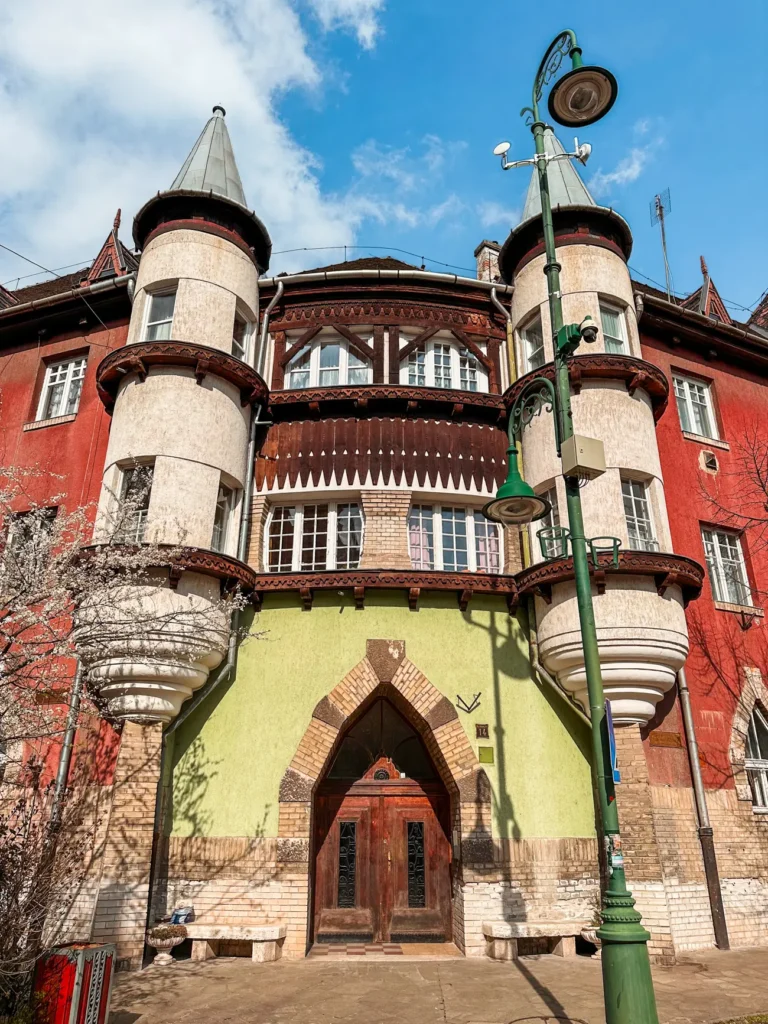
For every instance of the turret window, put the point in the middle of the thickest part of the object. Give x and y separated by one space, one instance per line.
314 538
442 364
453 540
637 513
242 332
532 336
614 329
226 503
160 316
328 363
133 506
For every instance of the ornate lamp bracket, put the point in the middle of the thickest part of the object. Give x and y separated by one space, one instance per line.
562 46
537 395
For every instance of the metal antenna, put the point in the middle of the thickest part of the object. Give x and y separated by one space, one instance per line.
661 205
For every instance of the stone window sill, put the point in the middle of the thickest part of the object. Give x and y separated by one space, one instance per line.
54 422
747 609
711 442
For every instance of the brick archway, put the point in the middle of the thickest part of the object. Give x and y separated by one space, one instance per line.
385 669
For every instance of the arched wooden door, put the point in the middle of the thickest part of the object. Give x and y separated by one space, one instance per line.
382 868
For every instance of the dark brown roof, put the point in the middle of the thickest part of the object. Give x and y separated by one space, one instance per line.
52 287
367 263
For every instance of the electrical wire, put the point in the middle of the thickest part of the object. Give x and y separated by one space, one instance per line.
69 266
728 302
387 248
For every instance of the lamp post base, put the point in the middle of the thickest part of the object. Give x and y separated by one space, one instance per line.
627 984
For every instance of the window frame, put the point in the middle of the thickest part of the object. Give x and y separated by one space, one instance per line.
757 764
621 313
650 543
718 580
471 536
151 295
525 343
70 362
141 514
248 335
230 503
458 353
687 380
314 368
332 547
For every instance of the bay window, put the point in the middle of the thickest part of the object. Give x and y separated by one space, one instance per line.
314 537
328 361
453 539
442 363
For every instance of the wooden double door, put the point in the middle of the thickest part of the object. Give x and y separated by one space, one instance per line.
383 862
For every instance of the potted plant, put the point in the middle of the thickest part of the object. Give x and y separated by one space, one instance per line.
163 937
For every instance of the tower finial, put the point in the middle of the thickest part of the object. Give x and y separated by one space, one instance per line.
704 267
116 222
219 110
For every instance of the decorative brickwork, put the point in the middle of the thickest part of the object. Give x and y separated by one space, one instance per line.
386 532
258 524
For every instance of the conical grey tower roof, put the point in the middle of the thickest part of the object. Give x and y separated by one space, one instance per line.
211 167
565 186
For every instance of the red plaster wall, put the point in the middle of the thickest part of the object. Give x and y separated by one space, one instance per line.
720 648
75 453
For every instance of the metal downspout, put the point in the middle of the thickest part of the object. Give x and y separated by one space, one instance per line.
706 835
265 327
67 746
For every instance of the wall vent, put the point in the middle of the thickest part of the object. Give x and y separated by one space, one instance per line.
710 461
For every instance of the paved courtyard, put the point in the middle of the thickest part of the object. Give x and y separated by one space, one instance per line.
705 987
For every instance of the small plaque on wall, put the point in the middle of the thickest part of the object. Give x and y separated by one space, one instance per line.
485 755
481 730
666 739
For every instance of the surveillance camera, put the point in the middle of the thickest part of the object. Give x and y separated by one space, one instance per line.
588 330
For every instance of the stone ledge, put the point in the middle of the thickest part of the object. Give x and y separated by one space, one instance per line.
235 933
532 929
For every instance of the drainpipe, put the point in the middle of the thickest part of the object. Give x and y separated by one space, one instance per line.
67 746
265 327
706 835
510 336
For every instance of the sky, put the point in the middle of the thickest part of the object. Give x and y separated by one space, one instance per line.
371 123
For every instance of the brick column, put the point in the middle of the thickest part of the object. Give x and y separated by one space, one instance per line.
386 529
121 907
259 510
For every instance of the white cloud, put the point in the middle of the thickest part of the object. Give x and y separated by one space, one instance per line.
630 167
358 15
492 214
99 111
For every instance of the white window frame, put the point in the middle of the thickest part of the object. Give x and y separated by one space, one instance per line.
721 578
148 311
228 501
642 513
547 522
437 537
134 533
526 344
458 354
314 347
681 386
75 368
248 335
623 343
298 533
757 767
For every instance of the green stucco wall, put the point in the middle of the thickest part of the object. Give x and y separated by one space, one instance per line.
228 757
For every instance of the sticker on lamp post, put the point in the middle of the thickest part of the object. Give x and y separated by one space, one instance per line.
612 743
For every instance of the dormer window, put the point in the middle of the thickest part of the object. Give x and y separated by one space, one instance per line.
160 316
327 362
442 363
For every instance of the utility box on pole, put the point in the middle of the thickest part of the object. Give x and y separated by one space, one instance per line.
582 456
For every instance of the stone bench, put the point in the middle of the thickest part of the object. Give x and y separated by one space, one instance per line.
501 937
267 939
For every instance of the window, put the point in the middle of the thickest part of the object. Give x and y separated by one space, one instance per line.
160 316
136 487
756 760
614 329
313 538
327 362
550 547
694 405
442 364
226 502
453 539
725 564
533 345
62 386
28 542
242 332
637 512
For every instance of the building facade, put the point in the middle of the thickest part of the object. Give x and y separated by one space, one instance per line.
398 748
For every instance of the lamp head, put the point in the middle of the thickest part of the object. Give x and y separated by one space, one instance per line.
515 501
583 96
502 148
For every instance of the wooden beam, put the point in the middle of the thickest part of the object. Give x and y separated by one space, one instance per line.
303 340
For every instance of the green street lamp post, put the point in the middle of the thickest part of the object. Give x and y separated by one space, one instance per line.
580 97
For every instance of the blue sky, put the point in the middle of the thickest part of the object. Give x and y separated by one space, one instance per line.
371 123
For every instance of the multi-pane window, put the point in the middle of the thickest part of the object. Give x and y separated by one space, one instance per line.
756 760
453 539
533 345
637 512
160 316
442 364
327 363
62 387
313 538
241 338
548 522
27 544
614 329
694 405
725 564
133 508
226 502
